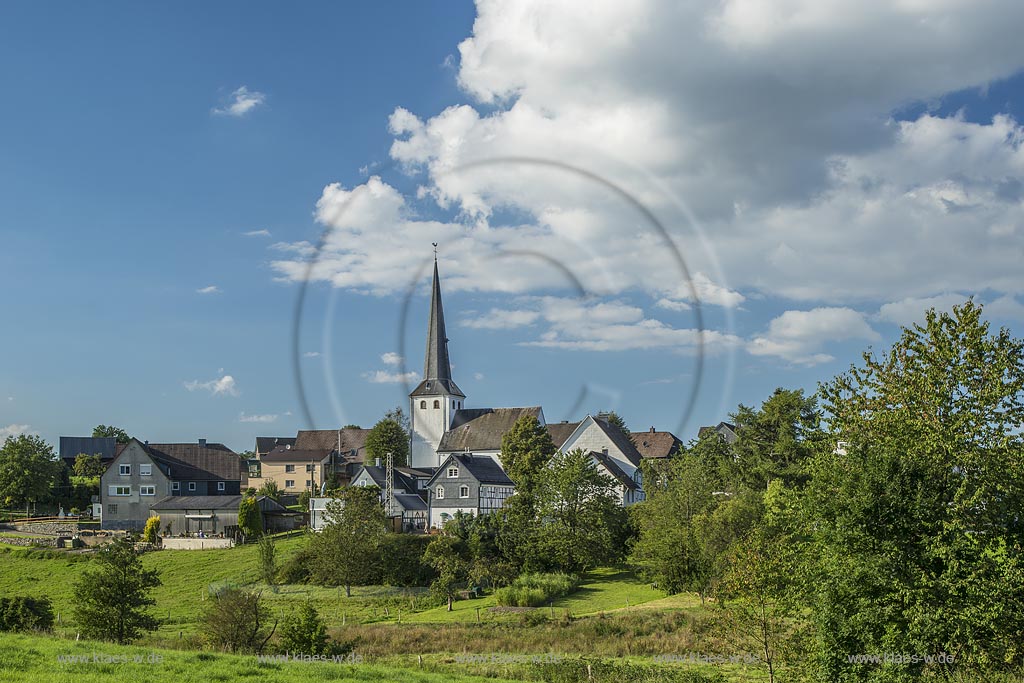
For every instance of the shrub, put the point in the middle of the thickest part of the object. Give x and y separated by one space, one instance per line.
535 590
402 560
152 530
236 621
296 569
268 560
304 632
25 614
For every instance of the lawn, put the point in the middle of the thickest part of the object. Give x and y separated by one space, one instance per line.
34 659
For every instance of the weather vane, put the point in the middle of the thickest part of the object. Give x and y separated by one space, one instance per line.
435 250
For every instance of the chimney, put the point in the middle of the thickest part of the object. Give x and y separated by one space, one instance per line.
376 462
652 429
202 443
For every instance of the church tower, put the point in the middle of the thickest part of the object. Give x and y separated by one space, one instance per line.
433 403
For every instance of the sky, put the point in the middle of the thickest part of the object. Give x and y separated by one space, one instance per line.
216 220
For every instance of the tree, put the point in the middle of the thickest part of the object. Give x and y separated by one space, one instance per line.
387 436
111 598
398 415
236 620
28 469
615 420
579 508
88 465
525 449
777 440
449 556
250 520
917 517
105 431
267 560
351 426
151 532
271 490
347 551
304 632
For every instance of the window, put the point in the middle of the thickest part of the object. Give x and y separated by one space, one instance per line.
463 491
289 483
437 404
145 470
289 468
309 483
309 468
147 490
112 509
120 490
124 470
191 486
453 472
453 405
423 405
439 493
175 485
220 486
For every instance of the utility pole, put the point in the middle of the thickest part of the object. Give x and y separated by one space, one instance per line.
389 486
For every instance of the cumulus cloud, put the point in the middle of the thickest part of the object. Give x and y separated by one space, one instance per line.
798 336
257 418
1006 308
14 430
911 310
498 319
391 358
387 377
211 289
241 102
222 386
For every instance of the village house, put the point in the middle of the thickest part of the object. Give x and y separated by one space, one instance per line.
474 484
294 470
142 474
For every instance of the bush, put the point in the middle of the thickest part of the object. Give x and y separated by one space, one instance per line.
25 614
152 531
536 590
402 560
296 569
304 632
237 620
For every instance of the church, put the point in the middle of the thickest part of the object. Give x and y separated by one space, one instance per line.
462 445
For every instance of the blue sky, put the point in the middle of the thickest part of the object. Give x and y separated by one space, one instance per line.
148 153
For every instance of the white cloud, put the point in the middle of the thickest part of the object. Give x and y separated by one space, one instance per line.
386 377
311 354
257 418
240 103
798 336
912 310
391 358
14 430
498 319
257 233
211 289
223 386
478 376
1006 308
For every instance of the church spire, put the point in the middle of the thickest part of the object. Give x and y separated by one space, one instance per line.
437 365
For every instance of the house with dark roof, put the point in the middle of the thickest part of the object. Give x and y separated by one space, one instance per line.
655 444
295 470
467 482
409 505
198 515
143 473
614 452
725 431
265 444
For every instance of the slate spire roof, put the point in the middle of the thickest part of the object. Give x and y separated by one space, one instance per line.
437 369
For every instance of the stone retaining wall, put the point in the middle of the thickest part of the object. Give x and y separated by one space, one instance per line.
29 542
48 528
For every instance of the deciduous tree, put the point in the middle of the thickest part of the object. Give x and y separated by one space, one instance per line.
112 597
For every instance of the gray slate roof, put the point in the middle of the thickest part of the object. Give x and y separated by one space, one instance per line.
379 475
725 430
621 441
71 446
191 461
285 454
481 429
197 503
613 468
410 501
483 468
265 444
437 369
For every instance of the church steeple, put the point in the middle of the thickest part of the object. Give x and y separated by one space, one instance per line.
437 366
